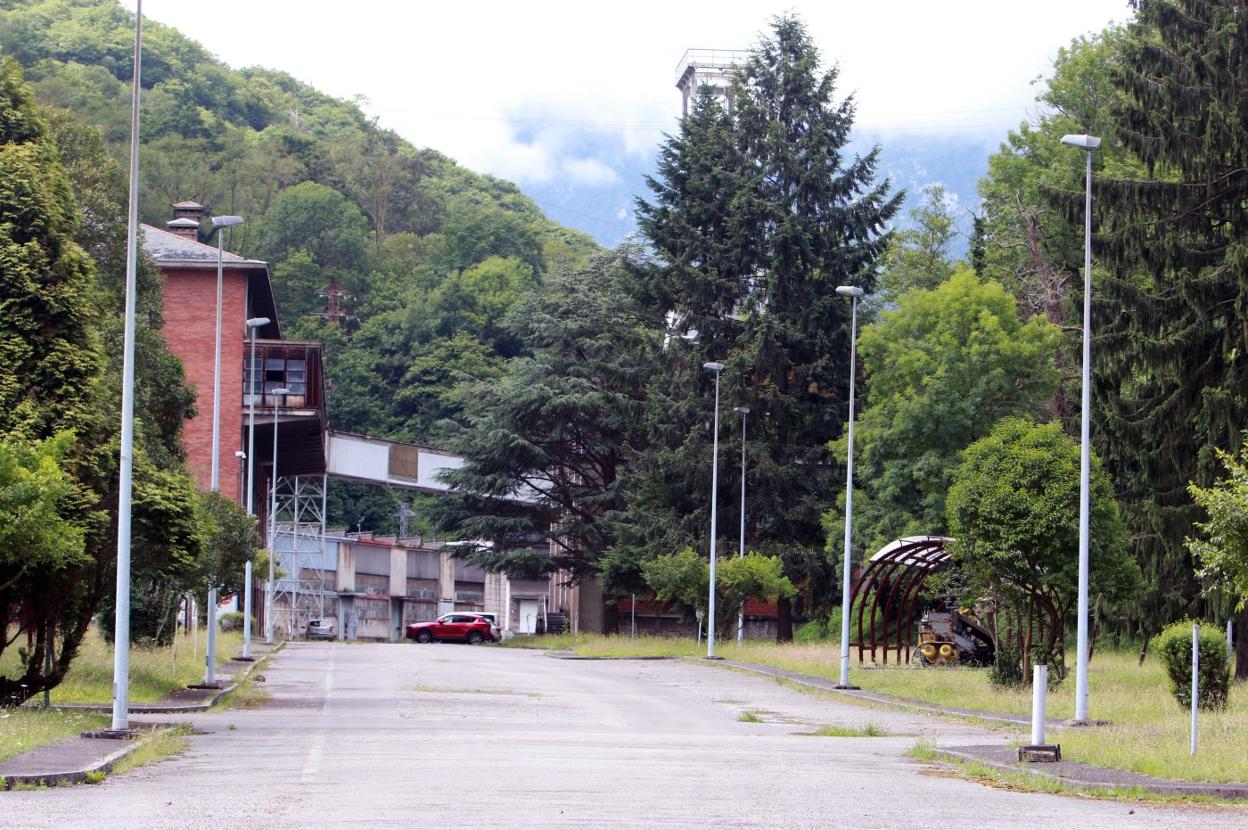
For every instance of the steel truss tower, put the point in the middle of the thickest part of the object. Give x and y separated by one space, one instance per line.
299 594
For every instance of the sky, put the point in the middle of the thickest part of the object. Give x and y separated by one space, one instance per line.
571 98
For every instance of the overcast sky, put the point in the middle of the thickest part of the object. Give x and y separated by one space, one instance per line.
512 88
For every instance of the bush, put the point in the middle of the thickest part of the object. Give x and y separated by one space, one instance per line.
233 621
1174 645
828 629
1007 667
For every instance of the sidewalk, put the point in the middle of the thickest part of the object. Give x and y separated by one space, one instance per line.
70 761
1005 758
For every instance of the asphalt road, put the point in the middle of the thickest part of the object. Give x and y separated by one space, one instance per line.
446 736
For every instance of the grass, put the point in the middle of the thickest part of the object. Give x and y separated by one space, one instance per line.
154 672
1023 781
750 716
24 729
1148 732
162 744
834 731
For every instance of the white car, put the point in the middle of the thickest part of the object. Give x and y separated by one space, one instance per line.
320 630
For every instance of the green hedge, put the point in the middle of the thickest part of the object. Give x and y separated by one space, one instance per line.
1174 645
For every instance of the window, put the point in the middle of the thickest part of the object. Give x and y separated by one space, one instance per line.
271 373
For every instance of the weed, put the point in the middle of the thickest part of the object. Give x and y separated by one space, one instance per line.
750 716
834 731
95 776
160 745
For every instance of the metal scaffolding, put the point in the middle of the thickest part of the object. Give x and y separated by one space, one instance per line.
300 592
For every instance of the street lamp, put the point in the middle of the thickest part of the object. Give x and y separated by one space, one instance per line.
710 617
253 324
1088 143
221 223
268 611
121 619
853 292
744 410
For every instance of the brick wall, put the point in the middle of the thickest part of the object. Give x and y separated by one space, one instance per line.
190 326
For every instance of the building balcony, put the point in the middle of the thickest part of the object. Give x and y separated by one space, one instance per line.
284 364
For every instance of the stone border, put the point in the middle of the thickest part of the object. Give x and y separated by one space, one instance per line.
1088 777
1070 773
75 776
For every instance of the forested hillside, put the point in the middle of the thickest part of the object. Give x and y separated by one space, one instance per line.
429 254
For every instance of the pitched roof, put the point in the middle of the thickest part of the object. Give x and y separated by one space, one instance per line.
188 205
166 247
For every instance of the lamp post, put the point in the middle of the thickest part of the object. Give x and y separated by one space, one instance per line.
1088 143
717 368
253 324
853 292
221 223
268 611
744 410
121 624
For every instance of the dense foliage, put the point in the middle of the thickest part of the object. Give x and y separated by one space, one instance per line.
426 251
757 214
943 367
1014 510
1174 644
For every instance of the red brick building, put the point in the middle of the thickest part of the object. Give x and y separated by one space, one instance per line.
190 292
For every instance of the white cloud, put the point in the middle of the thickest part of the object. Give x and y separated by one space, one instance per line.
590 172
507 88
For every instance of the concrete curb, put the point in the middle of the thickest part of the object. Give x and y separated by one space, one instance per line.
568 656
1126 780
106 764
884 699
153 708
158 708
75 776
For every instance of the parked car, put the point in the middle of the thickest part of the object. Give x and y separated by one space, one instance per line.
459 627
320 630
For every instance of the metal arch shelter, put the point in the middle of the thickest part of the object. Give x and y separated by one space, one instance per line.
889 588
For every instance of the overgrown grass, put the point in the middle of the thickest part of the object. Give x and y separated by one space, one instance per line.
1148 732
159 745
834 731
154 672
24 729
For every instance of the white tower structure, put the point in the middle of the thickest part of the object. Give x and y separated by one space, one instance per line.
707 67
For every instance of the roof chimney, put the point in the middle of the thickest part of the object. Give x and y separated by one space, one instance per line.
186 216
188 228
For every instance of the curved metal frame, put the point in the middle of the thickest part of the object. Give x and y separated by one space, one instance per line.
891 584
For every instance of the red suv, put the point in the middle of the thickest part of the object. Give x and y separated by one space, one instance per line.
464 628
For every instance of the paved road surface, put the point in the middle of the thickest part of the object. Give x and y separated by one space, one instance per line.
448 736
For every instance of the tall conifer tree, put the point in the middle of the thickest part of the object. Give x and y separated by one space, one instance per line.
758 214
1172 348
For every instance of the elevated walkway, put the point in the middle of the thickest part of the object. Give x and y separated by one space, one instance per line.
393 463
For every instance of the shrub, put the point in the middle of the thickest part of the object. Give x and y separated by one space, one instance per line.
1175 647
1007 667
233 621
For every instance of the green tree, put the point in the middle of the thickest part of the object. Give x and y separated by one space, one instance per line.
1014 510
556 430
1172 367
757 215
683 578
318 236
1221 549
942 368
50 347
228 540
919 256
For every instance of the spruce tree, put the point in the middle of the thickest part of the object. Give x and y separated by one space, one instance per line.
1172 350
758 213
